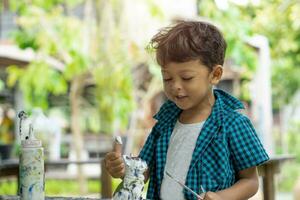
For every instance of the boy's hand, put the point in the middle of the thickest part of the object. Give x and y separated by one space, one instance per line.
212 196
114 163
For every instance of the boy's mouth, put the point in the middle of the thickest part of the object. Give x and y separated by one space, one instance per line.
180 97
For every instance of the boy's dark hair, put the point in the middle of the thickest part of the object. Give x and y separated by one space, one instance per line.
189 40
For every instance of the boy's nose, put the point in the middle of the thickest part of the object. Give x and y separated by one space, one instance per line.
177 85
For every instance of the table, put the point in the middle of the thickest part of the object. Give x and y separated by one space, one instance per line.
4 197
268 171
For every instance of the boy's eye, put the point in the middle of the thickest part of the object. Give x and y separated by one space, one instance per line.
187 78
167 79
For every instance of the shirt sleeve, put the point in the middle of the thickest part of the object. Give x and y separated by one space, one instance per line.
148 151
246 148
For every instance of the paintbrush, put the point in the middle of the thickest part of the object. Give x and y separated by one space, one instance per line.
186 187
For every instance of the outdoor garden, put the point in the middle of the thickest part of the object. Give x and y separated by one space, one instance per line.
85 71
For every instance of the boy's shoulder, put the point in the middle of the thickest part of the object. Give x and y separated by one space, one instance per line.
234 116
232 109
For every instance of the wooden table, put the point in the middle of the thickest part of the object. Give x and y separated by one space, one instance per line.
268 171
4 197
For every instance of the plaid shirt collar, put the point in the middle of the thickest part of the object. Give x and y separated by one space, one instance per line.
168 115
224 101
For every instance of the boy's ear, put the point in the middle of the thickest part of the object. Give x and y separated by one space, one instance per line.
216 74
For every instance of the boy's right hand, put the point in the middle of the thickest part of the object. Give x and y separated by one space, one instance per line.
114 162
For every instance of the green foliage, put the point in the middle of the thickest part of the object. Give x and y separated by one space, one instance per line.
71 187
155 10
77 66
117 92
54 187
293 140
25 39
2 85
236 32
90 119
39 81
45 32
290 171
91 49
288 177
8 187
279 21
22 6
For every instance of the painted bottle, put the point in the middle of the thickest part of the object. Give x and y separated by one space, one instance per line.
31 165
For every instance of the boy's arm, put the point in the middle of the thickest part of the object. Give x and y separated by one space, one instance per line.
243 138
244 188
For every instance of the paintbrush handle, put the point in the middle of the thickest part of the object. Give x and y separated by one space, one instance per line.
182 185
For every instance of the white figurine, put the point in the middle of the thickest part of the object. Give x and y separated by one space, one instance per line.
133 183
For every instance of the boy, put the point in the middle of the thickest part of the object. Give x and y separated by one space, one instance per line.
199 138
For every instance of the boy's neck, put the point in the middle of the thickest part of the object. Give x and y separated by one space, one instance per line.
199 114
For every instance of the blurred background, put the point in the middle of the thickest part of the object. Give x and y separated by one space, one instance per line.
82 70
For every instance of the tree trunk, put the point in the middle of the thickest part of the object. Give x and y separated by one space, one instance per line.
75 95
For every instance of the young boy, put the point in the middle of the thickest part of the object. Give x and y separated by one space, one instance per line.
200 138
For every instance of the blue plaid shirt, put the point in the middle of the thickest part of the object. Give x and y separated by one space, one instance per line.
226 145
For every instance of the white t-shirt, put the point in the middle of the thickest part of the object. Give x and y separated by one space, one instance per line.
179 156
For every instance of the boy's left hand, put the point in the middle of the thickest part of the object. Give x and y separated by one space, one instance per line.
212 196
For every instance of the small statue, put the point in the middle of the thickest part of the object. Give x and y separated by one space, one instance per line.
133 183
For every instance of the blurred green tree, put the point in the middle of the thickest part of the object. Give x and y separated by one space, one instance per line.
92 51
279 21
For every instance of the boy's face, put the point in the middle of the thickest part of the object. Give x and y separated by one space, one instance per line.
188 84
